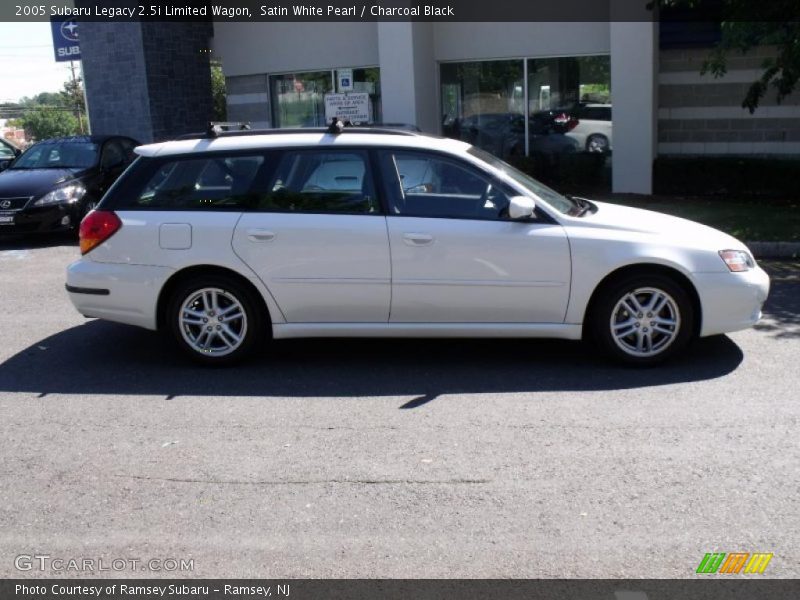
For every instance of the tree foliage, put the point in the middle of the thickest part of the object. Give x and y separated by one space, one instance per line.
218 93
745 26
44 122
53 114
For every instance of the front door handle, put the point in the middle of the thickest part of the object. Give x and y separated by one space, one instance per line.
260 235
417 239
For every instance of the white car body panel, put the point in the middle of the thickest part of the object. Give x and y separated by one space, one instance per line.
471 271
389 275
137 244
320 268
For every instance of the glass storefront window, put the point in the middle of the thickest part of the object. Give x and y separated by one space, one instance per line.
568 105
298 99
483 104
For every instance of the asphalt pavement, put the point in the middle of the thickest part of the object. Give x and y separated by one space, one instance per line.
376 458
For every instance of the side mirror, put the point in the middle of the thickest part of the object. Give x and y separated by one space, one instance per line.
4 164
520 207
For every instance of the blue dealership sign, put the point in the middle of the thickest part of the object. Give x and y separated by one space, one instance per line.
65 39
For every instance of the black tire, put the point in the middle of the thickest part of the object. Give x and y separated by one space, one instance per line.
598 140
229 291
609 314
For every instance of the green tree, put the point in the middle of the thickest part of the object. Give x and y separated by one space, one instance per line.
44 122
218 93
71 96
745 26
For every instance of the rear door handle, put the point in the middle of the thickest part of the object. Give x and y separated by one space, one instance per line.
260 235
417 239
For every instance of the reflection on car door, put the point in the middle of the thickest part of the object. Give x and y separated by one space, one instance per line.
317 238
456 258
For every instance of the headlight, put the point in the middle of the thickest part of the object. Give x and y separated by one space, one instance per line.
737 260
66 194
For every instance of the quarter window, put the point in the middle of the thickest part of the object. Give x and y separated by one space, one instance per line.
219 182
321 182
435 186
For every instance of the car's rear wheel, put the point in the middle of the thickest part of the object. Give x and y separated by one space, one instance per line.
643 320
597 143
214 319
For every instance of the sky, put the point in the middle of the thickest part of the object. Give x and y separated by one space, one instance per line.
27 65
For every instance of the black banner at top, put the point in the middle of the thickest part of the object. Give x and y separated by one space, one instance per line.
394 10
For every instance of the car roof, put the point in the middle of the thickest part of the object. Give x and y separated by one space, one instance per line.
274 139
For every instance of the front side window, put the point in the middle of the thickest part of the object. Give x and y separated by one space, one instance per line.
436 186
113 155
218 183
6 152
552 197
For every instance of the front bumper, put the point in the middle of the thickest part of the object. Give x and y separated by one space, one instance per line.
117 292
45 219
731 301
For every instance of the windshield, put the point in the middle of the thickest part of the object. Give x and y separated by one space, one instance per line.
58 155
552 197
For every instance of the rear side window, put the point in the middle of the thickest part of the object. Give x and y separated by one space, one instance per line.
321 181
212 183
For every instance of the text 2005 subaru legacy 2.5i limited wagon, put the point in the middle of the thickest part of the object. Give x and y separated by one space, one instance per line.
227 240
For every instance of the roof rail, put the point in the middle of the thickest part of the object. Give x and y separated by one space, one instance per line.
219 130
217 127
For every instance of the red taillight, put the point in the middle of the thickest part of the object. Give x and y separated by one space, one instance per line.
97 227
572 123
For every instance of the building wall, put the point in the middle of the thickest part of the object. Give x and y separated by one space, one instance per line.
150 81
115 77
468 41
178 77
702 115
251 48
251 51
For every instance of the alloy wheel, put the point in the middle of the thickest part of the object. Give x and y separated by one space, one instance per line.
645 322
212 321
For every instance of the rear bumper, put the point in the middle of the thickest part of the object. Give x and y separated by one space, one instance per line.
116 292
731 301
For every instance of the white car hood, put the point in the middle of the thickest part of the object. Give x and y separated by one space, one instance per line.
674 229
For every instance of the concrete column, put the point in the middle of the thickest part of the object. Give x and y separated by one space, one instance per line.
148 80
408 74
634 69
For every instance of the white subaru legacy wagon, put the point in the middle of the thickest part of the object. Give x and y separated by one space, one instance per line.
230 239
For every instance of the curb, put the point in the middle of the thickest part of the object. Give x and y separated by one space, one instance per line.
774 249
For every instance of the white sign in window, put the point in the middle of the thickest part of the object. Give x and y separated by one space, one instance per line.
347 107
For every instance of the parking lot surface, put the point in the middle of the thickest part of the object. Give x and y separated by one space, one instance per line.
381 458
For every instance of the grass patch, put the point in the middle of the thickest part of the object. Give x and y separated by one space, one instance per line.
763 220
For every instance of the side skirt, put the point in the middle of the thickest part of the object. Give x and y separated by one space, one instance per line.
428 330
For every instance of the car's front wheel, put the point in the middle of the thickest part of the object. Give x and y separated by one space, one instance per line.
643 320
215 319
